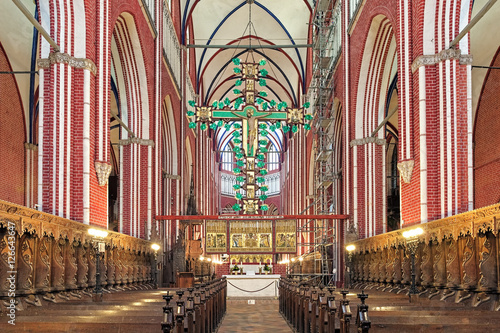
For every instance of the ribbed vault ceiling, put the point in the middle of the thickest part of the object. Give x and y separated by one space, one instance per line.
256 23
226 22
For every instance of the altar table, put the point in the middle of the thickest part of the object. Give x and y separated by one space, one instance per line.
252 286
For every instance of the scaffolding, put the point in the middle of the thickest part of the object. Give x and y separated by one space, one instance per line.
321 245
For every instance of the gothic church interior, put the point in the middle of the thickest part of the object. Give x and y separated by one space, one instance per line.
347 144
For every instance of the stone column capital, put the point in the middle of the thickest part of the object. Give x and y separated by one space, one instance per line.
102 169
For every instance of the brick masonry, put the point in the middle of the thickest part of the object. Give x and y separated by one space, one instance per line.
63 141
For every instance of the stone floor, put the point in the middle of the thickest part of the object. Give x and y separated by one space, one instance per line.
141 311
261 317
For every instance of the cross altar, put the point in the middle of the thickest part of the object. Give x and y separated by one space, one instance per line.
250 150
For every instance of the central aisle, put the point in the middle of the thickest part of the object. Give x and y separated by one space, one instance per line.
263 316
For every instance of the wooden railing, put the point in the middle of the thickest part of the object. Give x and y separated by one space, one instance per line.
44 257
310 308
456 258
195 310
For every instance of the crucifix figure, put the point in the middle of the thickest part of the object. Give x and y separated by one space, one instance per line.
245 109
250 121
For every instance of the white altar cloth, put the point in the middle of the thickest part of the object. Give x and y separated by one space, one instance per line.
252 286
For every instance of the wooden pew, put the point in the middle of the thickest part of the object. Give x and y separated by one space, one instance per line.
196 310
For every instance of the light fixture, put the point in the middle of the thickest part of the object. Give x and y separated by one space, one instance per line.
100 248
202 258
97 233
350 249
301 259
155 247
293 259
413 232
412 242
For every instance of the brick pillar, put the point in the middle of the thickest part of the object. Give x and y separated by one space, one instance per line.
438 184
70 182
66 176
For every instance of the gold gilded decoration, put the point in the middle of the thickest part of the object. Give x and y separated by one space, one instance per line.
216 236
250 258
250 191
251 236
250 97
286 236
250 84
204 114
250 206
250 177
250 163
249 71
296 116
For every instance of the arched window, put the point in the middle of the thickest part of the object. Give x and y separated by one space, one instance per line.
227 158
273 159
391 136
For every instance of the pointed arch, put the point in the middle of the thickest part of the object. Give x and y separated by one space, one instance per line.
129 75
369 174
170 162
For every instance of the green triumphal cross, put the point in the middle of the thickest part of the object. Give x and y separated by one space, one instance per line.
250 138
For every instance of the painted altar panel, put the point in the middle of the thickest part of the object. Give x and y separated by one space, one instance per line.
251 258
286 236
216 234
251 236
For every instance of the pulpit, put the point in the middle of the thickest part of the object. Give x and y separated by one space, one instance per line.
185 279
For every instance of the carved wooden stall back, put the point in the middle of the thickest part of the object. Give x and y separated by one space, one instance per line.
55 258
457 259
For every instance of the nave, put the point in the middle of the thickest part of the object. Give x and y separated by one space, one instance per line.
142 311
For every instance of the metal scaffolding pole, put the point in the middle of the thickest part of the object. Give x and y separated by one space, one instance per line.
320 234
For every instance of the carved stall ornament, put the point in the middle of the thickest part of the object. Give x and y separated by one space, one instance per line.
102 170
55 258
453 275
42 278
25 265
406 169
457 259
